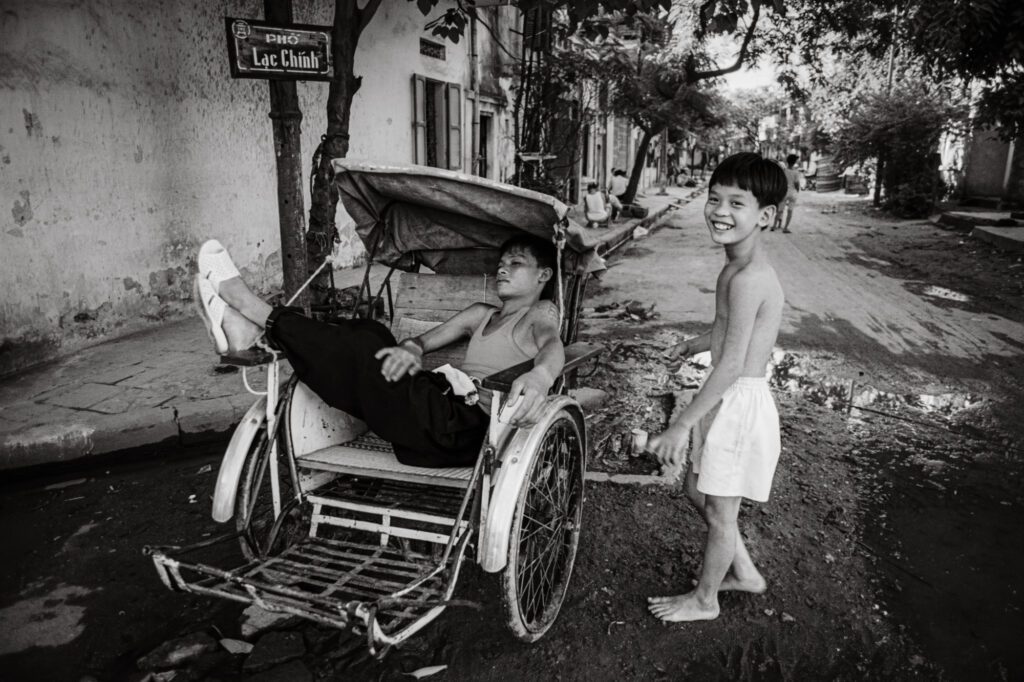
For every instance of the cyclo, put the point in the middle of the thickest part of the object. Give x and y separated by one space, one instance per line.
332 527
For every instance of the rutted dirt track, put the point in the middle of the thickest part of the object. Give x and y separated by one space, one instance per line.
892 543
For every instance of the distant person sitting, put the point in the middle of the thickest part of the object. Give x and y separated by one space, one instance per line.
811 171
794 178
594 207
617 188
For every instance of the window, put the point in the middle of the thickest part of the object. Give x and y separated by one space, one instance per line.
437 123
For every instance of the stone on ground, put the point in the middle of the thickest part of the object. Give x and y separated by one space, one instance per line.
179 651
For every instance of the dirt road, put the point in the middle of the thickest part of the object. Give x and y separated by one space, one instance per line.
899 308
892 543
841 297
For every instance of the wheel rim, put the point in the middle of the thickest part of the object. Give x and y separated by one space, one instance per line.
256 509
550 526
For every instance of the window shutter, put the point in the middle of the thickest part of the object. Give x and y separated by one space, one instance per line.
454 126
419 120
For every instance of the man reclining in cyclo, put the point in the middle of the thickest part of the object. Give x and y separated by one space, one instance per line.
357 365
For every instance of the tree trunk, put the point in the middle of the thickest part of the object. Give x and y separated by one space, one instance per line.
286 119
349 22
638 167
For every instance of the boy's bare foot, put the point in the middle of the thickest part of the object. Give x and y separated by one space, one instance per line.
242 334
755 584
682 608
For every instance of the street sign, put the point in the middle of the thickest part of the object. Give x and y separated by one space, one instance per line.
259 49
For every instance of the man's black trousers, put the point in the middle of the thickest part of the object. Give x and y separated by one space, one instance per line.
426 424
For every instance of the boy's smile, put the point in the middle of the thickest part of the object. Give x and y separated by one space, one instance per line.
732 214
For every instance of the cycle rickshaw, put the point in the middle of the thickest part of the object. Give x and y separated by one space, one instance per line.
332 527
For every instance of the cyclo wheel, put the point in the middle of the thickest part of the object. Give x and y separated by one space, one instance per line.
545 532
254 502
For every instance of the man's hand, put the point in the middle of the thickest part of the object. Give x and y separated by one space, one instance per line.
670 447
529 392
399 361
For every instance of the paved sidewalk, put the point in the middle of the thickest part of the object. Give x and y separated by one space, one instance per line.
1004 229
163 386
658 206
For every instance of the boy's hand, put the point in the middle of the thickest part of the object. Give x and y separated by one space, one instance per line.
677 354
670 447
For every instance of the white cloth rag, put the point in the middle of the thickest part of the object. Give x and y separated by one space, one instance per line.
462 384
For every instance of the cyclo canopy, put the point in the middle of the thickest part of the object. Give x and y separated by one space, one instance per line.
453 223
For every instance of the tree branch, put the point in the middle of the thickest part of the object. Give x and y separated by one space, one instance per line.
365 14
715 73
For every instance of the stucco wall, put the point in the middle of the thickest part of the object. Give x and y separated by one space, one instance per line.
124 143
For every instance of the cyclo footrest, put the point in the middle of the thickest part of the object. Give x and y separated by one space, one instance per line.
392 591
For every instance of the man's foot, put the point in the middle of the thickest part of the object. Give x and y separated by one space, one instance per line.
754 584
682 608
786 230
242 334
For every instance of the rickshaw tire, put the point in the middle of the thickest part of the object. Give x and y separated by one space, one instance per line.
254 533
529 615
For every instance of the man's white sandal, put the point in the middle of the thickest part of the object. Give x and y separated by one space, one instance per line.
215 264
211 309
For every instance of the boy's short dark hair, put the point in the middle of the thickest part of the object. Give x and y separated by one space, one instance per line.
543 252
791 160
591 185
760 176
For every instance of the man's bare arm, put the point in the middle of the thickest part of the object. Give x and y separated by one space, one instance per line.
407 356
455 328
547 365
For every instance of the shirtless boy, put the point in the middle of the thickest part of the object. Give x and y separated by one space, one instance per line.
732 418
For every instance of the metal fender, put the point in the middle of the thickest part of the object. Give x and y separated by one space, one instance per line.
234 461
516 459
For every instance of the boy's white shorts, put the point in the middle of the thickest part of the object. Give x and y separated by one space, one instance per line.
736 445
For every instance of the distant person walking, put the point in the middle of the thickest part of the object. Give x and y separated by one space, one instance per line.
793 181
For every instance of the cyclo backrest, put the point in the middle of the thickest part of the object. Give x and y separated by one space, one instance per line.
424 301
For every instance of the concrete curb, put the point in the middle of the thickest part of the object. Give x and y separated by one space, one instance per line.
652 221
186 424
1006 238
966 222
629 479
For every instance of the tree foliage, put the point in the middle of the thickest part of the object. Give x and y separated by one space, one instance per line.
744 111
902 129
979 41
647 86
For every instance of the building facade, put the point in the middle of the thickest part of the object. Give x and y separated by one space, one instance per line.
125 143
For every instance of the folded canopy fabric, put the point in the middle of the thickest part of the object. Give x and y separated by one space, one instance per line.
451 222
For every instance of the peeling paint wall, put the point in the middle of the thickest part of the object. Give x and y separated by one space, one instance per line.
124 144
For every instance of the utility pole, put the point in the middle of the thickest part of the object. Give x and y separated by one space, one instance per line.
286 118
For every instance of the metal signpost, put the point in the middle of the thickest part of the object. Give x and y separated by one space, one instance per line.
283 52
